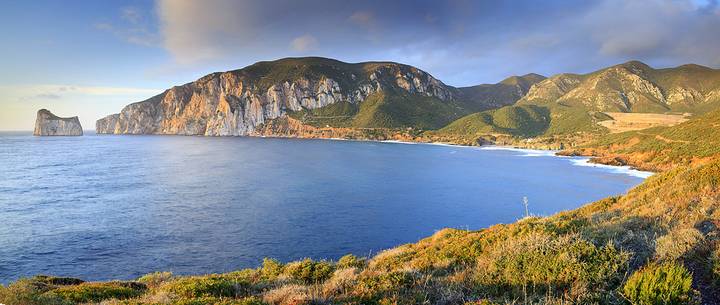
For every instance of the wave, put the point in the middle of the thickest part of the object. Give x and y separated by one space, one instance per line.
579 161
525 152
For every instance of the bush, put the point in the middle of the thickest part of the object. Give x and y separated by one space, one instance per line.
677 243
271 269
204 286
309 271
351 261
221 301
545 265
669 283
154 279
96 292
28 292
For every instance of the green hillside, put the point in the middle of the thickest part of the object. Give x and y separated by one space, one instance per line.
506 92
524 121
385 110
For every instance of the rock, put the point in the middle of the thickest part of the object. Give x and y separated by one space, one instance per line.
48 124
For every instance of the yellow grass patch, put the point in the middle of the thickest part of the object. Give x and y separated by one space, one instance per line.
622 122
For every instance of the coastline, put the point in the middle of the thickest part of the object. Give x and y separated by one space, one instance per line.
576 159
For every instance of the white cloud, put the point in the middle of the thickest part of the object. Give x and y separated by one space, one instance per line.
135 28
32 92
304 43
365 18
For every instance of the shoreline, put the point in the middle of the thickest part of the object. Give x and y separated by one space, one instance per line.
577 160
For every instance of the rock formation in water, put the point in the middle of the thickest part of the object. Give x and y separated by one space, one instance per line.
48 124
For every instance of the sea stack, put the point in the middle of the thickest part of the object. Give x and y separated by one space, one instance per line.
48 124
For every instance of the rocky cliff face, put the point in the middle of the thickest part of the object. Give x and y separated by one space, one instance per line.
48 124
238 102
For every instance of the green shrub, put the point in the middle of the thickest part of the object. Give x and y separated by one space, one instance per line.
203 286
28 292
154 279
309 271
271 268
669 283
220 301
351 261
96 292
545 265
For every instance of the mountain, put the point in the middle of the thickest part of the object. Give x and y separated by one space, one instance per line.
570 104
504 93
632 87
314 91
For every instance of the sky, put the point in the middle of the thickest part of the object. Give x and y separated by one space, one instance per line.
90 58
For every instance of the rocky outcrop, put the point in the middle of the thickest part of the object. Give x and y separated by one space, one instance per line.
48 124
236 103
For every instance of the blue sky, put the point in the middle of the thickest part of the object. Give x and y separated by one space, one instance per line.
90 58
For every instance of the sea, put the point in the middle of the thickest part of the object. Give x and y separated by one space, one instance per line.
103 207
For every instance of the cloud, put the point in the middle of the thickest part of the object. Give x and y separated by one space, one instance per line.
56 92
304 43
131 15
365 18
461 42
50 96
135 28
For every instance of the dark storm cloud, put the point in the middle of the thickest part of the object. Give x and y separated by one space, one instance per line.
461 42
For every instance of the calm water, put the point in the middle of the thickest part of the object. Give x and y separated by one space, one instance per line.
117 207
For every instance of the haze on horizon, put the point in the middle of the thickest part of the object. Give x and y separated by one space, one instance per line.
90 58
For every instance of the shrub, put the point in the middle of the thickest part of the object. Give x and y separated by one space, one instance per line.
28 292
202 286
96 292
544 265
154 279
669 283
351 261
309 271
677 243
288 294
271 269
220 301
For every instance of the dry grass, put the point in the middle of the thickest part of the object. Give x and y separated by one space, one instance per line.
622 121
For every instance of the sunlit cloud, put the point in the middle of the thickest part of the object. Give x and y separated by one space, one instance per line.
304 43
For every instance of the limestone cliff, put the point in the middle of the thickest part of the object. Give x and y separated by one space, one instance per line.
48 124
237 102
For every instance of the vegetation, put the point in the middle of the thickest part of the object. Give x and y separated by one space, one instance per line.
693 142
660 284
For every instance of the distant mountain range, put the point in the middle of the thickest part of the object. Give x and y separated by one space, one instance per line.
325 93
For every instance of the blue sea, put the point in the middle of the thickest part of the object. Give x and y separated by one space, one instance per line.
117 207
